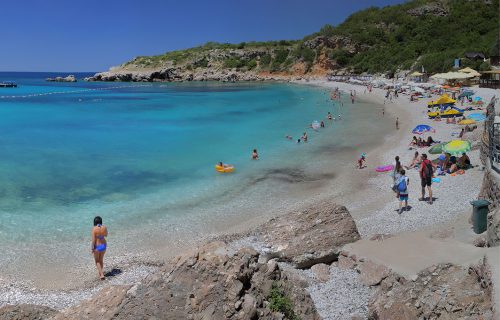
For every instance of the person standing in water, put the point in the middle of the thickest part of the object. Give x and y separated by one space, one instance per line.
255 155
99 244
304 137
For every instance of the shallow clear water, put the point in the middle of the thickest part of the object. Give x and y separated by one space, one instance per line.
143 155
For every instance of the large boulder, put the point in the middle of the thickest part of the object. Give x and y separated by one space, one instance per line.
311 236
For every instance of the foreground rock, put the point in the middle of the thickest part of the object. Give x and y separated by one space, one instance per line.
311 236
211 283
70 78
445 291
25 312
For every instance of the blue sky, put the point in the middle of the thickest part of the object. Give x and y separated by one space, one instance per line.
92 35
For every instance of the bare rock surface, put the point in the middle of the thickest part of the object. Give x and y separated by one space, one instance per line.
26 312
445 291
210 283
311 236
372 273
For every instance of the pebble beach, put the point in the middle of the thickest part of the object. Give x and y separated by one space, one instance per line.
373 208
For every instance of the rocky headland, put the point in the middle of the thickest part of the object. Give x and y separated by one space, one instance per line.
69 78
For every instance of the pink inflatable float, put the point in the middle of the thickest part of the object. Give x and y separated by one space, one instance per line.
384 168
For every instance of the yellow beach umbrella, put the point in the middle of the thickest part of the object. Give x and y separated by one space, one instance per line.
467 121
457 147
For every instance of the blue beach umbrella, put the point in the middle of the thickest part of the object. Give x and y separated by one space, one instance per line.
477 117
478 99
423 128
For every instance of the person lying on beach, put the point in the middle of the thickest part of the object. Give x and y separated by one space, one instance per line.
417 159
453 168
255 155
430 141
99 244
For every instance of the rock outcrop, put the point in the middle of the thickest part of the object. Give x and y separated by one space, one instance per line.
70 78
434 9
311 236
444 291
211 283
26 312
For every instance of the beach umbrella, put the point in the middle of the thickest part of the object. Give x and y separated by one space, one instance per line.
457 147
467 121
437 148
478 99
423 128
477 117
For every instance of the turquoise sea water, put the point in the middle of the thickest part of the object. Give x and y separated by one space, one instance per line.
143 155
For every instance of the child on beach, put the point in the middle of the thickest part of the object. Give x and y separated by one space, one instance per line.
361 160
402 189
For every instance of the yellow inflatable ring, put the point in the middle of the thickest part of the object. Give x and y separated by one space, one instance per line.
224 169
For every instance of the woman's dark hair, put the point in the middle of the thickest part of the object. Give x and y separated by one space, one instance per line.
97 220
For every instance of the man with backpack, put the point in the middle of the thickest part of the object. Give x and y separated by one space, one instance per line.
402 189
426 171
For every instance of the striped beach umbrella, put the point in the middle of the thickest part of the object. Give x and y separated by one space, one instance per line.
422 128
457 147
437 148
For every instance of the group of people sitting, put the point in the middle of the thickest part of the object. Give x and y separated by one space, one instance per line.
421 142
444 164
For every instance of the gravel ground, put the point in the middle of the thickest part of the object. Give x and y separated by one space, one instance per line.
13 295
342 296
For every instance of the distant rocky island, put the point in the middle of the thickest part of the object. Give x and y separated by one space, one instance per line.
70 78
375 40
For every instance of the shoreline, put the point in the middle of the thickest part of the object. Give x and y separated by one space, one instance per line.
366 206
132 269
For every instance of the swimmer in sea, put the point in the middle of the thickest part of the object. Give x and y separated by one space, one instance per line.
339 117
288 137
255 155
322 124
99 244
329 116
304 137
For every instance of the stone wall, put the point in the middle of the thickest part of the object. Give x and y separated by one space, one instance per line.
490 189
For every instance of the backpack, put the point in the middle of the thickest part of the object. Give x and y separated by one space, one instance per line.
402 184
428 170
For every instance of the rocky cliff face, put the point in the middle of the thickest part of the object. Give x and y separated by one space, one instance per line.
310 59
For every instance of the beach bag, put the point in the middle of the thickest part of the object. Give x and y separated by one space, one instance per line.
402 185
428 170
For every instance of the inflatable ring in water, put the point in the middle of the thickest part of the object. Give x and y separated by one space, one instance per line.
224 169
384 168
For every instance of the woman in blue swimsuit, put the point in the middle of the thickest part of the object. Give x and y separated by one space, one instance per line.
99 232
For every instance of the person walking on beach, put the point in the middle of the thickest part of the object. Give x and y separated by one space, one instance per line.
397 123
426 171
99 244
402 189
255 155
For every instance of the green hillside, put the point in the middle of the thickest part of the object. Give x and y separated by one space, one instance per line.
407 36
